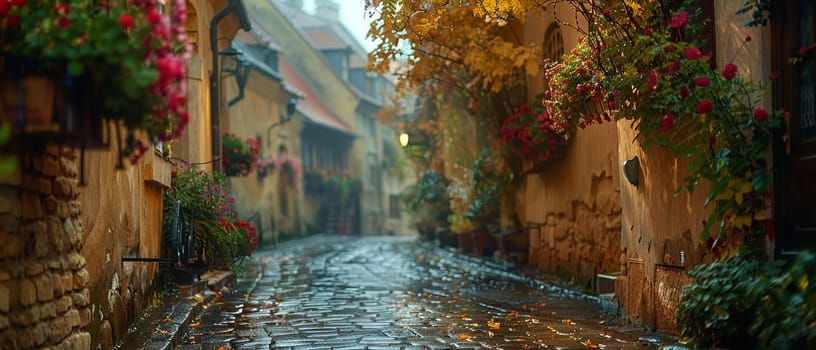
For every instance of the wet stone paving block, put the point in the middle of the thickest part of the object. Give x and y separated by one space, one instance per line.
340 292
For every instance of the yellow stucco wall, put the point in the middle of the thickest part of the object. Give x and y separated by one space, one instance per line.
576 199
657 224
264 105
121 209
327 85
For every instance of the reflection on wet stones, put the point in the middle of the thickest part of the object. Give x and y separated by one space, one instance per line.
336 292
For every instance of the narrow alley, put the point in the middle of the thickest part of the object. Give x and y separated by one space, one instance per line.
340 292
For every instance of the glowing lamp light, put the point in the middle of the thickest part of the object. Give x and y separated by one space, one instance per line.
403 139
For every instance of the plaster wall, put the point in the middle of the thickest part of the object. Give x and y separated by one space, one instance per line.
264 105
576 199
332 90
658 225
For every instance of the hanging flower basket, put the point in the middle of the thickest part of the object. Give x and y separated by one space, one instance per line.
95 61
57 107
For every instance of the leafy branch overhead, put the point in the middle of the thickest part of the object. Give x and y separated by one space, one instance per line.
465 44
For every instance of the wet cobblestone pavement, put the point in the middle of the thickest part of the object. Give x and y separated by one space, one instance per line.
334 292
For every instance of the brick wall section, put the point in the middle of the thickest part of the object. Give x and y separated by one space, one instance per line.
44 297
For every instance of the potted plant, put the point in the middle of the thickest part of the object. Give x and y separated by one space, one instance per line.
238 157
123 61
218 234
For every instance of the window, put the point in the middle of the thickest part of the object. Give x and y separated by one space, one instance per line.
553 43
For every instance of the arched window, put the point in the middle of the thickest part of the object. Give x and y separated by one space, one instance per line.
553 43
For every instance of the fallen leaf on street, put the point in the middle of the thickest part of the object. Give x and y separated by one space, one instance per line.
196 323
198 298
167 319
568 321
160 331
512 314
590 344
534 320
463 336
493 324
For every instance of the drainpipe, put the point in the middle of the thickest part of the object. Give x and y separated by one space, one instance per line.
215 76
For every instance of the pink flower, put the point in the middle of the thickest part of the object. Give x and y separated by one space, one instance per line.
126 21
652 81
760 115
701 82
729 71
704 106
667 123
647 31
684 92
679 20
692 53
774 75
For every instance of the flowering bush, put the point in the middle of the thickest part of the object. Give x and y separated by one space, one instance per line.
135 54
239 157
218 233
651 66
532 133
290 167
265 166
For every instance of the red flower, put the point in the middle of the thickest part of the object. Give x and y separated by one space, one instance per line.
652 81
705 106
760 115
64 22
674 67
153 16
667 123
774 75
18 2
669 48
12 21
62 9
729 71
4 8
647 31
684 92
701 82
747 38
126 21
679 20
803 50
692 53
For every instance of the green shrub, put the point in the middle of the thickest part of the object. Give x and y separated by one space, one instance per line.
744 303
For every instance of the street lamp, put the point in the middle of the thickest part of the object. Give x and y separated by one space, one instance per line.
233 62
403 139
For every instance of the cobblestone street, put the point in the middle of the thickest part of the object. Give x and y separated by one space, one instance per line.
335 292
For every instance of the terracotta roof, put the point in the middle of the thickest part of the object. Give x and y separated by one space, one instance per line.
326 39
311 106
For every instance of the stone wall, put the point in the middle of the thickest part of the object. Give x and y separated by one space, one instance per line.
44 296
577 202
